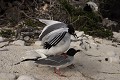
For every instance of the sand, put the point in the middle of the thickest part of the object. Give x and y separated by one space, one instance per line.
99 62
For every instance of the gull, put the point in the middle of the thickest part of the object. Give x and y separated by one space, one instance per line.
55 38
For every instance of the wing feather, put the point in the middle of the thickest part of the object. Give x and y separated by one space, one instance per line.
54 41
53 61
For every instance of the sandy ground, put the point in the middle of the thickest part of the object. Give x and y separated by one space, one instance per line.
89 64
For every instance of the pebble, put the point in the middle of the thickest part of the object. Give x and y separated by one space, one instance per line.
38 43
1 39
116 36
26 77
79 33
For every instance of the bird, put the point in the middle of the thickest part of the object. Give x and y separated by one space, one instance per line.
59 61
56 61
55 38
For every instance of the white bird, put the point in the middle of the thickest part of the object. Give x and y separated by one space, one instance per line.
55 38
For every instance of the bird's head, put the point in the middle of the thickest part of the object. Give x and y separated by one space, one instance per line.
72 52
71 30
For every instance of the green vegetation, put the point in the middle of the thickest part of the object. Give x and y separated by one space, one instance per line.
110 9
7 33
32 23
85 21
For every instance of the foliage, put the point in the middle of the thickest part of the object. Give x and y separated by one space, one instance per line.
110 9
7 33
33 23
60 10
86 21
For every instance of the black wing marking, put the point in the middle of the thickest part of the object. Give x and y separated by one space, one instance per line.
52 28
54 41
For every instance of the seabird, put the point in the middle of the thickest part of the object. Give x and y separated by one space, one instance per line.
56 61
55 38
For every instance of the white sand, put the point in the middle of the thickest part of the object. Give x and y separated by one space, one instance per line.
89 65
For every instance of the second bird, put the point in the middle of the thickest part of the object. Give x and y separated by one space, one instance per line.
55 37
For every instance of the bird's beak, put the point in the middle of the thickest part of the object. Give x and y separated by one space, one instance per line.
75 35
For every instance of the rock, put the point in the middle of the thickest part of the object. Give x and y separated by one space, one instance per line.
93 6
109 23
91 39
25 77
79 33
116 36
79 36
7 76
19 43
85 45
73 38
1 39
38 43
98 40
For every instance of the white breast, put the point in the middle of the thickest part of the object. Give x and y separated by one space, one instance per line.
61 47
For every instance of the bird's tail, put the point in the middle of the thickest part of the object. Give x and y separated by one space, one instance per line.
34 59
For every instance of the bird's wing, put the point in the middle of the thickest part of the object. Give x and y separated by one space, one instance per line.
48 22
54 40
51 26
53 61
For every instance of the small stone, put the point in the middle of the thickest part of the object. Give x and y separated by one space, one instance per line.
73 38
38 43
1 39
25 77
116 36
79 33
18 43
98 40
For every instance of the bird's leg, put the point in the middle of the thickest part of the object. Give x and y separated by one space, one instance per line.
57 71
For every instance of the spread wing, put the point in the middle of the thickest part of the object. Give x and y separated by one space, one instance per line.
54 41
50 28
56 60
